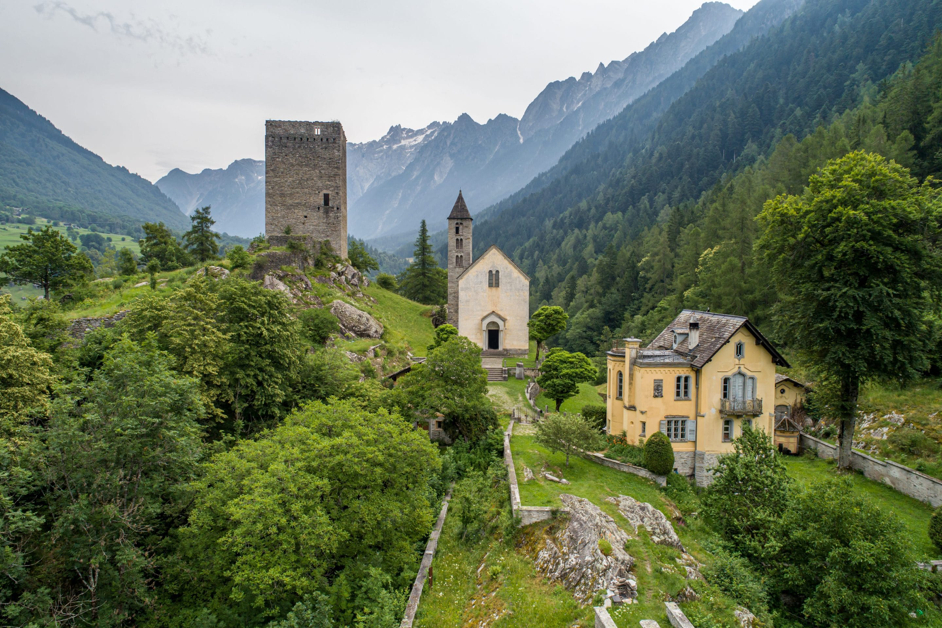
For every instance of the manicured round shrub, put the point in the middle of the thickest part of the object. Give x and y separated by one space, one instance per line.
935 528
605 547
318 325
658 454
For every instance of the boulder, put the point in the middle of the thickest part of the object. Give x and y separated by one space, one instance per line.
653 520
214 272
571 555
356 322
271 283
746 619
527 474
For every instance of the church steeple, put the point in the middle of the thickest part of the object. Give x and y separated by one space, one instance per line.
459 252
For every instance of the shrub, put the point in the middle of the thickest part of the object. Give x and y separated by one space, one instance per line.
387 282
913 443
620 449
117 283
733 575
595 415
605 547
658 454
318 325
238 257
935 528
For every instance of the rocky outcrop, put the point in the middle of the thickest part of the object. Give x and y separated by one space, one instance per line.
81 326
571 554
645 515
356 322
746 619
214 272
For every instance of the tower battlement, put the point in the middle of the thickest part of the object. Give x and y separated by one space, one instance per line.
306 181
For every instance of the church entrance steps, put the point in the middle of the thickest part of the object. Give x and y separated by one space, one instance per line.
498 374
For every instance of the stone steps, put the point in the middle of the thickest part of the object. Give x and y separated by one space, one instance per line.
496 374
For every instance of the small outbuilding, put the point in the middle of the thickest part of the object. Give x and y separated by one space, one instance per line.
789 412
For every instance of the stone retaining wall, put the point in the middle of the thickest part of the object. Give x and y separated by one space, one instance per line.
527 514
81 326
416 596
905 480
626 468
603 619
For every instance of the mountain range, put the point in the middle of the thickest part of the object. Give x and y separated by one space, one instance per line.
413 174
44 170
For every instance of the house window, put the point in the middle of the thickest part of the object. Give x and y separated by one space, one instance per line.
738 387
326 199
677 429
682 387
747 423
644 428
727 430
782 391
740 350
659 388
621 386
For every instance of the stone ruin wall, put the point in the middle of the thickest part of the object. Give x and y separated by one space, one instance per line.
303 162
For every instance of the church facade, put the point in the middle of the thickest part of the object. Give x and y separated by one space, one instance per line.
488 297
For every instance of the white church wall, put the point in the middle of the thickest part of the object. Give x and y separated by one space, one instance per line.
511 300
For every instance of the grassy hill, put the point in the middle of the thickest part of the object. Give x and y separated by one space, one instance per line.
42 169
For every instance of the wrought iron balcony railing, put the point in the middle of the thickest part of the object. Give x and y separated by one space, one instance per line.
741 406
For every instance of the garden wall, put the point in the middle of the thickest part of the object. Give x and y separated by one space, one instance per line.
626 468
905 480
415 597
527 514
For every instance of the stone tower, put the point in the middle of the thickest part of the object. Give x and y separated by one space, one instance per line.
459 252
306 182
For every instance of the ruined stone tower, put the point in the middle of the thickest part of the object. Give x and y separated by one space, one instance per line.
459 252
306 182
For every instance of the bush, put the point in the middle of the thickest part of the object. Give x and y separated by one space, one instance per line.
596 415
605 547
935 528
658 454
620 449
733 575
238 257
117 283
913 443
317 325
387 282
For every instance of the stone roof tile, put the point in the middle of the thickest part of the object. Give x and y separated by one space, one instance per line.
460 210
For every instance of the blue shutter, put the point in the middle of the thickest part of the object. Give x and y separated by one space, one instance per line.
691 430
664 428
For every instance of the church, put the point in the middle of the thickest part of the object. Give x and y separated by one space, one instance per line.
488 297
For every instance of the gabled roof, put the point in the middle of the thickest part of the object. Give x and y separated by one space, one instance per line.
460 210
494 247
715 331
494 314
787 424
779 378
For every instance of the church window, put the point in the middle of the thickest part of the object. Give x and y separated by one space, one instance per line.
490 279
326 198
497 279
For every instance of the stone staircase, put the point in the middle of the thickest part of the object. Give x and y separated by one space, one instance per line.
496 374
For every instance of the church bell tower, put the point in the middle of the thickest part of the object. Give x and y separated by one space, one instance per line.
459 252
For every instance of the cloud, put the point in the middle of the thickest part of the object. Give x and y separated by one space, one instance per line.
146 31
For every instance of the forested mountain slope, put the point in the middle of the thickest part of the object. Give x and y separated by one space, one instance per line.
41 168
819 63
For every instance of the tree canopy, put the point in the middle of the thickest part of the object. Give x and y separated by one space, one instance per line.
562 372
46 258
424 281
545 323
855 259
568 433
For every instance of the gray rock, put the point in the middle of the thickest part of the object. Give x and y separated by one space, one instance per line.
649 623
653 520
356 322
215 272
527 474
746 619
270 283
571 556
686 595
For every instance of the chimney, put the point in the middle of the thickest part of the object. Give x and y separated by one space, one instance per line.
694 329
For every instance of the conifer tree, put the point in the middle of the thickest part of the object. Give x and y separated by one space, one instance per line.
424 281
200 240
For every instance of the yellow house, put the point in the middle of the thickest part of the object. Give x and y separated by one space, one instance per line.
703 378
789 412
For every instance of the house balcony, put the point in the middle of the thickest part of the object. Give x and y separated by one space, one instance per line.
741 407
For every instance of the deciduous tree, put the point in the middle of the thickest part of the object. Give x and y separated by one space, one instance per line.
855 258
562 372
567 433
545 323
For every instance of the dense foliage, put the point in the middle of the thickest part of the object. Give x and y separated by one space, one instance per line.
562 372
424 281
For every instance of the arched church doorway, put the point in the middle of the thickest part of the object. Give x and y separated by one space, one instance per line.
493 336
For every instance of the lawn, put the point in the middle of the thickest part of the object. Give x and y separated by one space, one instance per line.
588 395
913 513
528 362
509 394
408 323
10 234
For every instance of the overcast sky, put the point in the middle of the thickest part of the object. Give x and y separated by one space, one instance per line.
189 83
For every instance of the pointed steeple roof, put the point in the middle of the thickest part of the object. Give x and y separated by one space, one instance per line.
460 210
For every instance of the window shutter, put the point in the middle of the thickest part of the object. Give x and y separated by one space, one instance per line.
691 430
664 428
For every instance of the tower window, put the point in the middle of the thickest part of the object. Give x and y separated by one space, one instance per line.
459 260
459 243
326 198
457 229
317 131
